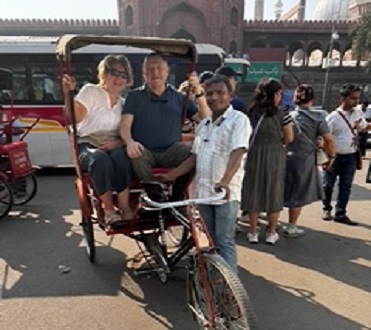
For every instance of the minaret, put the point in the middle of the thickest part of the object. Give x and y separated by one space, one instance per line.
301 11
259 10
278 9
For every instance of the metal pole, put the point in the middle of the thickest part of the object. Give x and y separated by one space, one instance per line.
329 55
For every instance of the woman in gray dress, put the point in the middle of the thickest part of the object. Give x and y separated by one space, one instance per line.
262 189
302 180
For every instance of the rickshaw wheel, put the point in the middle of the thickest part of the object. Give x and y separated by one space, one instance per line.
24 189
231 306
88 230
6 198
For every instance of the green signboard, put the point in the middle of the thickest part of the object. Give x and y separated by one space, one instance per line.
260 70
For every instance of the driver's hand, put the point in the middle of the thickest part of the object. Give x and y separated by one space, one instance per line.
134 149
221 185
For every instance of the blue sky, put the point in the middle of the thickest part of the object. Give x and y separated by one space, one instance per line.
104 8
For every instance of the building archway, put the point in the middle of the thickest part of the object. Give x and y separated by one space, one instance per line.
180 15
183 34
129 17
234 17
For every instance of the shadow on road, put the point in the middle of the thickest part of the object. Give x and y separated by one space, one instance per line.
332 255
36 241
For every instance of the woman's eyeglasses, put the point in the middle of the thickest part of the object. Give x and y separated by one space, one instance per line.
117 73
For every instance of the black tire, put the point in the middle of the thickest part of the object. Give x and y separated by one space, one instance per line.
88 230
6 198
230 303
24 189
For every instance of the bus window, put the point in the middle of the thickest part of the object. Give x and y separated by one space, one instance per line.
45 83
84 74
20 90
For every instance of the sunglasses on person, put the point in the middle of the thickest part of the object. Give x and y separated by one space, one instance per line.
117 73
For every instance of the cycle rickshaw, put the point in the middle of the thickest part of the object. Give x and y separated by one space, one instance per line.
18 183
216 297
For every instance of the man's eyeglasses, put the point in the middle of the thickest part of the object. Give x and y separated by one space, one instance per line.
117 73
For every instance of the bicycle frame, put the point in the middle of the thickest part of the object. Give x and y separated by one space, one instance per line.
192 242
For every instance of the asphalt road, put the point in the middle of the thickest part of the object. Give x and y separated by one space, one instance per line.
320 281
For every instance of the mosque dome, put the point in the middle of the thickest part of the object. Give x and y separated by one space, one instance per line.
331 10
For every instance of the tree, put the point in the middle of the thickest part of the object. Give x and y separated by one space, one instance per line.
361 37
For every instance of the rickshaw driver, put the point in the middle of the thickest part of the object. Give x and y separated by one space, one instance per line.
151 123
219 146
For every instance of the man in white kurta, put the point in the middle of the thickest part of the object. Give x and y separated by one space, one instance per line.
220 143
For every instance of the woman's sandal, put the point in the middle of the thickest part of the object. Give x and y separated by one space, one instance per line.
127 214
111 218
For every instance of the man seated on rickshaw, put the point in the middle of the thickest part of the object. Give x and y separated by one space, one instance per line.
151 123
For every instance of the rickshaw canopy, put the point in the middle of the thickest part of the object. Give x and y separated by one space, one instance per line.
175 47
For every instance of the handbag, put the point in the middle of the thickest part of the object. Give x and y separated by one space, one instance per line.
358 155
321 156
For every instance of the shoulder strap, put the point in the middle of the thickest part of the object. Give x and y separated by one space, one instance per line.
256 130
301 132
347 122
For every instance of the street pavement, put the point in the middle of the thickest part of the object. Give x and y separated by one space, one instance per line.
321 281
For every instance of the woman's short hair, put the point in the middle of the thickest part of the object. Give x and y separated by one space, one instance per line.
109 61
303 94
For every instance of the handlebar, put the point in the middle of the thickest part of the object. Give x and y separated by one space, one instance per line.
167 205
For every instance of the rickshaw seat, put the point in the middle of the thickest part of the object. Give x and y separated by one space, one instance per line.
135 182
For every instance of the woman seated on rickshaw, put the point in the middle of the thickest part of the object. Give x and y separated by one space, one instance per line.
100 149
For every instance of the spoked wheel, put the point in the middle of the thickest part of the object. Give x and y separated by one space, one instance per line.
88 230
6 198
230 305
24 189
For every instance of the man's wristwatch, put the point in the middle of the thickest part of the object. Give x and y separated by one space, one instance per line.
202 93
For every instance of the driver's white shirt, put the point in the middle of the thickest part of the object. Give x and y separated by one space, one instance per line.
213 144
